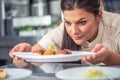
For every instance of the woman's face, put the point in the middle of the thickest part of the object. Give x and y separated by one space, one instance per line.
82 26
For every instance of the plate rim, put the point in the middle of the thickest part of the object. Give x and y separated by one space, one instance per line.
110 67
51 57
16 69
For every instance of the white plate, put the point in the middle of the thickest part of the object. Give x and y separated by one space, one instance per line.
78 72
15 73
30 57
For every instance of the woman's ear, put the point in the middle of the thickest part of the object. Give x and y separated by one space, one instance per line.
99 17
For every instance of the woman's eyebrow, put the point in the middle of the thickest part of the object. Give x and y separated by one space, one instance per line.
79 20
75 21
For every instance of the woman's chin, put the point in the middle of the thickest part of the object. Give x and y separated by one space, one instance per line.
79 42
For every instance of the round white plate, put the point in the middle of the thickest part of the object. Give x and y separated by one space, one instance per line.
78 72
15 73
30 57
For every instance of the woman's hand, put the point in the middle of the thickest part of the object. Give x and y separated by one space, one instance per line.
37 49
21 47
24 47
101 55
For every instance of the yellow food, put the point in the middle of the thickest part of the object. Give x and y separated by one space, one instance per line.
52 47
3 75
48 52
93 72
51 50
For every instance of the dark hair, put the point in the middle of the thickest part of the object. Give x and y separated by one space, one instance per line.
91 6
68 43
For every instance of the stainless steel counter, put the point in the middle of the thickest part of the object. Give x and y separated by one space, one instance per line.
39 74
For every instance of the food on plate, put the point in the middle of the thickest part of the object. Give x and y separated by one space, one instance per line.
3 74
65 51
48 52
94 72
52 49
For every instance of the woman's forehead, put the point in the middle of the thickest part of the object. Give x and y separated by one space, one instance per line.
76 14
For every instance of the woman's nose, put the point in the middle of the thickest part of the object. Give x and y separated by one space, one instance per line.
75 29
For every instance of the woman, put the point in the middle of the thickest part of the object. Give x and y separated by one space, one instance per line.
85 27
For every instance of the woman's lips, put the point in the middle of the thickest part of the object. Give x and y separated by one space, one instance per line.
77 38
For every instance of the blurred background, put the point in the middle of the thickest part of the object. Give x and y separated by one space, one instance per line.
29 20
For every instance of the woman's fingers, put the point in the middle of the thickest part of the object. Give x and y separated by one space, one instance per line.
101 54
15 49
38 49
16 60
97 47
39 52
22 47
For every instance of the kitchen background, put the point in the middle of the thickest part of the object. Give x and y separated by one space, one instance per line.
29 20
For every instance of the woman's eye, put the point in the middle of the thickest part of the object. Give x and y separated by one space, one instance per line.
82 22
67 23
